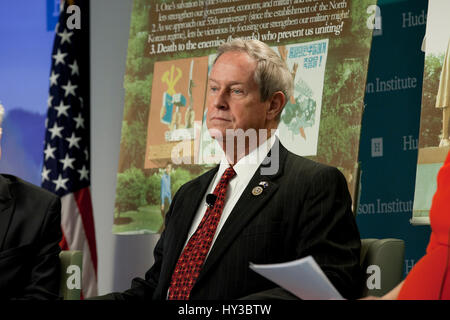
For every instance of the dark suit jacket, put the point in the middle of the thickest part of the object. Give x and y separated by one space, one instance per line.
305 210
30 232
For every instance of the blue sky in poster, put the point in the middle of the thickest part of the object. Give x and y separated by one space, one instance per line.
25 58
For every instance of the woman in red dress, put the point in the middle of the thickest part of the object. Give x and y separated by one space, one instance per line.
429 279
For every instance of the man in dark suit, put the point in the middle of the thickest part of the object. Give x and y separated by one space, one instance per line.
276 206
30 232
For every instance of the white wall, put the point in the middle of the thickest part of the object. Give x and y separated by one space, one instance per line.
120 258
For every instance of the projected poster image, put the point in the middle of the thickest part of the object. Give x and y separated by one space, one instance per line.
434 140
165 142
177 99
172 131
300 119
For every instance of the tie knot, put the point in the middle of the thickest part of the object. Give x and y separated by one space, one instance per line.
228 174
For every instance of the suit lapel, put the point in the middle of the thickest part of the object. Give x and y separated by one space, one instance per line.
247 207
7 204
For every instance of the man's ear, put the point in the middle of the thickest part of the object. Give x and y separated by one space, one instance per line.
277 102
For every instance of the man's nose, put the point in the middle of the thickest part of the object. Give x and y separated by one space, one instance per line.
220 100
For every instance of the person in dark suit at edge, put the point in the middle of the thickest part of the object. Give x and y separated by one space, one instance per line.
30 232
261 204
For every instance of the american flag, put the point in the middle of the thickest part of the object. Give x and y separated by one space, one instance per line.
66 168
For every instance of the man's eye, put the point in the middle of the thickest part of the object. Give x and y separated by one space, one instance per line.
236 91
213 89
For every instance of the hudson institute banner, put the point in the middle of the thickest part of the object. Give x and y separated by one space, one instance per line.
171 48
434 143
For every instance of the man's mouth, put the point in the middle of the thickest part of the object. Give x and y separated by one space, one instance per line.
220 119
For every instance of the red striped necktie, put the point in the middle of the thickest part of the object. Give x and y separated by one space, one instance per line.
194 254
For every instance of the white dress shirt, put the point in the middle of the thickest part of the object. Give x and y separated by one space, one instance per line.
245 168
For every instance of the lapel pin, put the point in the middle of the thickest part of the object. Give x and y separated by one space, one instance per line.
257 191
264 184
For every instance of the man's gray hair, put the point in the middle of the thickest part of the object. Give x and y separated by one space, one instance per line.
271 74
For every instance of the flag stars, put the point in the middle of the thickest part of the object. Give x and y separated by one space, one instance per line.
49 152
74 68
69 89
65 36
45 173
53 79
59 57
65 171
60 183
79 121
84 173
62 109
73 141
56 131
49 101
67 162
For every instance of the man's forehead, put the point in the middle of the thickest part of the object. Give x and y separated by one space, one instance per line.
234 67
235 56
229 81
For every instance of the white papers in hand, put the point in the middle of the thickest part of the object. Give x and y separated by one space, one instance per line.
302 277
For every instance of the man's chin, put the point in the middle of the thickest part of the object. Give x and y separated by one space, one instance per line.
217 134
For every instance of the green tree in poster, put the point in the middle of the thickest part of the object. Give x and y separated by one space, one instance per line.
343 93
137 85
179 177
431 117
341 114
132 141
132 188
154 188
